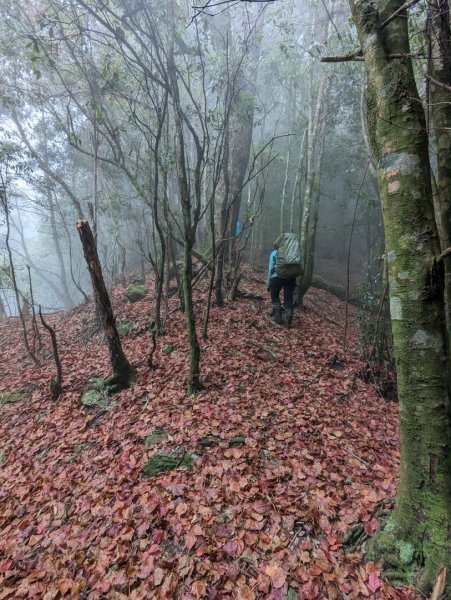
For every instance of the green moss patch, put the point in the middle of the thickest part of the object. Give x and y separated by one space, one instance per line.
398 555
92 398
135 293
157 435
406 552
161 463
239 440
169 349
124 327
11 397
2 458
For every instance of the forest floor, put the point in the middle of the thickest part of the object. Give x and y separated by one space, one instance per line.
290 449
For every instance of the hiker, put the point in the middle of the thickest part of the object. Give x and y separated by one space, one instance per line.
284 266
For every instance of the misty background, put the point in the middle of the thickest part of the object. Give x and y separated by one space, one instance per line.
87 132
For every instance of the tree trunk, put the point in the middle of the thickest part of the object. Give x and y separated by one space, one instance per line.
418 532
224 187
439 70
222 224
59 255
71 270
39 272
284 189
297 187
241 125
122 259
310 206
6 209
123 373
189 228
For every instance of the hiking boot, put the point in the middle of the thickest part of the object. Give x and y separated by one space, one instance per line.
289 313
277 313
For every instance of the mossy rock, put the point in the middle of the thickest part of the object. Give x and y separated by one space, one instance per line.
11 397
239 440
135 293
2 458
161 463
124 327
93 398
157 435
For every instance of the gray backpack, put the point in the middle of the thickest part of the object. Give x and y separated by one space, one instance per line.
289 260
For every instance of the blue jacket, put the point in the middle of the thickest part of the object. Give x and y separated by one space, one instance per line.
272 266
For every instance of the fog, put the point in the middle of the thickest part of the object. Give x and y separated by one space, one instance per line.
101 106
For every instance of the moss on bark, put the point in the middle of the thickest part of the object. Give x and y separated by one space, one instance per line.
416 541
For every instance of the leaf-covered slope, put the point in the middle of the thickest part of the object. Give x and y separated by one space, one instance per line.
289 450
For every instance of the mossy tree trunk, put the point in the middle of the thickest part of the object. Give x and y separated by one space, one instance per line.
418 533
310 204
123 372
223 219
439 83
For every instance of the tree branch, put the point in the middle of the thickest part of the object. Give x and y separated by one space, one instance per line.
55 384
357 55
397 12
436 81
444 254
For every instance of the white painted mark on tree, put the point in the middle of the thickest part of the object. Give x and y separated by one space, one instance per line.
370 40
414 295
408 164
423 339
396 308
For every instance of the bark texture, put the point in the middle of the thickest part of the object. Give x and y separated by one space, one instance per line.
439 82
416 541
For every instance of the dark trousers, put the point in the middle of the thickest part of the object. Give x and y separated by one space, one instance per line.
288 285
